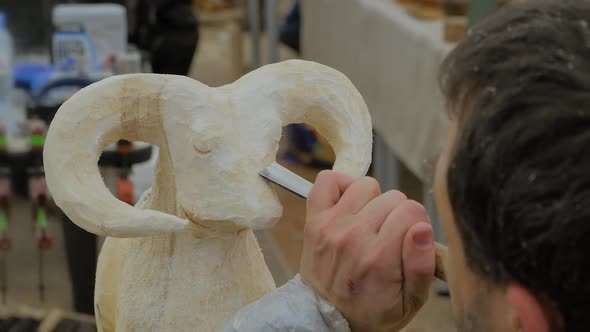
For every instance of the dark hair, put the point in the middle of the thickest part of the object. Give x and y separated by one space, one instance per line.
519 176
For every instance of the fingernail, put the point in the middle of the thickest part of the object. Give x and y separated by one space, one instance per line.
423 240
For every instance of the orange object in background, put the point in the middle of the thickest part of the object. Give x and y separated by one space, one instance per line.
5 243
125 190
424 9
44 240
124 148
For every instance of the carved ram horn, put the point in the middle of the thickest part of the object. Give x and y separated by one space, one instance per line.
121 107
311 93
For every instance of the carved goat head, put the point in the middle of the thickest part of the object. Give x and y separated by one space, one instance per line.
213 143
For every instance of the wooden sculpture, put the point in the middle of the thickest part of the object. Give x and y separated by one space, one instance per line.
185 257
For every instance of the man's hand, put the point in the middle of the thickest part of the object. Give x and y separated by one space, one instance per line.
369 254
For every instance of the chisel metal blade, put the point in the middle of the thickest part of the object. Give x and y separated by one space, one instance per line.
287 179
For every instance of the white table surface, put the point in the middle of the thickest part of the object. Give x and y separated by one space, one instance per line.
393 60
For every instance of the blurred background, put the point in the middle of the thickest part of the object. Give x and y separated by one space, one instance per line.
390 49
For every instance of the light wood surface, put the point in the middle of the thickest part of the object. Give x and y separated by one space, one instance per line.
455 28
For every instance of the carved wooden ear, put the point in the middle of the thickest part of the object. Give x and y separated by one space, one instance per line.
308 92
121 107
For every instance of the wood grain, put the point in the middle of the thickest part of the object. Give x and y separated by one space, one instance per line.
440 252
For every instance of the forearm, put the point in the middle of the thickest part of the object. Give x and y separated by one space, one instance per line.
293 307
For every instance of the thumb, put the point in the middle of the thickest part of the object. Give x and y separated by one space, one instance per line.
418 264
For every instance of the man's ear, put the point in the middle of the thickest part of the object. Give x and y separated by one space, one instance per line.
530 313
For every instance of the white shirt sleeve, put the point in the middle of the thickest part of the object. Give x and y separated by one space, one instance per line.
293 307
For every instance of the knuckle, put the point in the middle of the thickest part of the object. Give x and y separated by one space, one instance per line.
396 195
415 209
343 242
318 230
380 263
339 245
372 184
324 174
309 230
371 262
322 232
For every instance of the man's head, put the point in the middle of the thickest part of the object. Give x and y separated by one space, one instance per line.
513 186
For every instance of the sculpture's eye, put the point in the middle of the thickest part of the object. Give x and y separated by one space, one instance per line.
203 148
202 152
